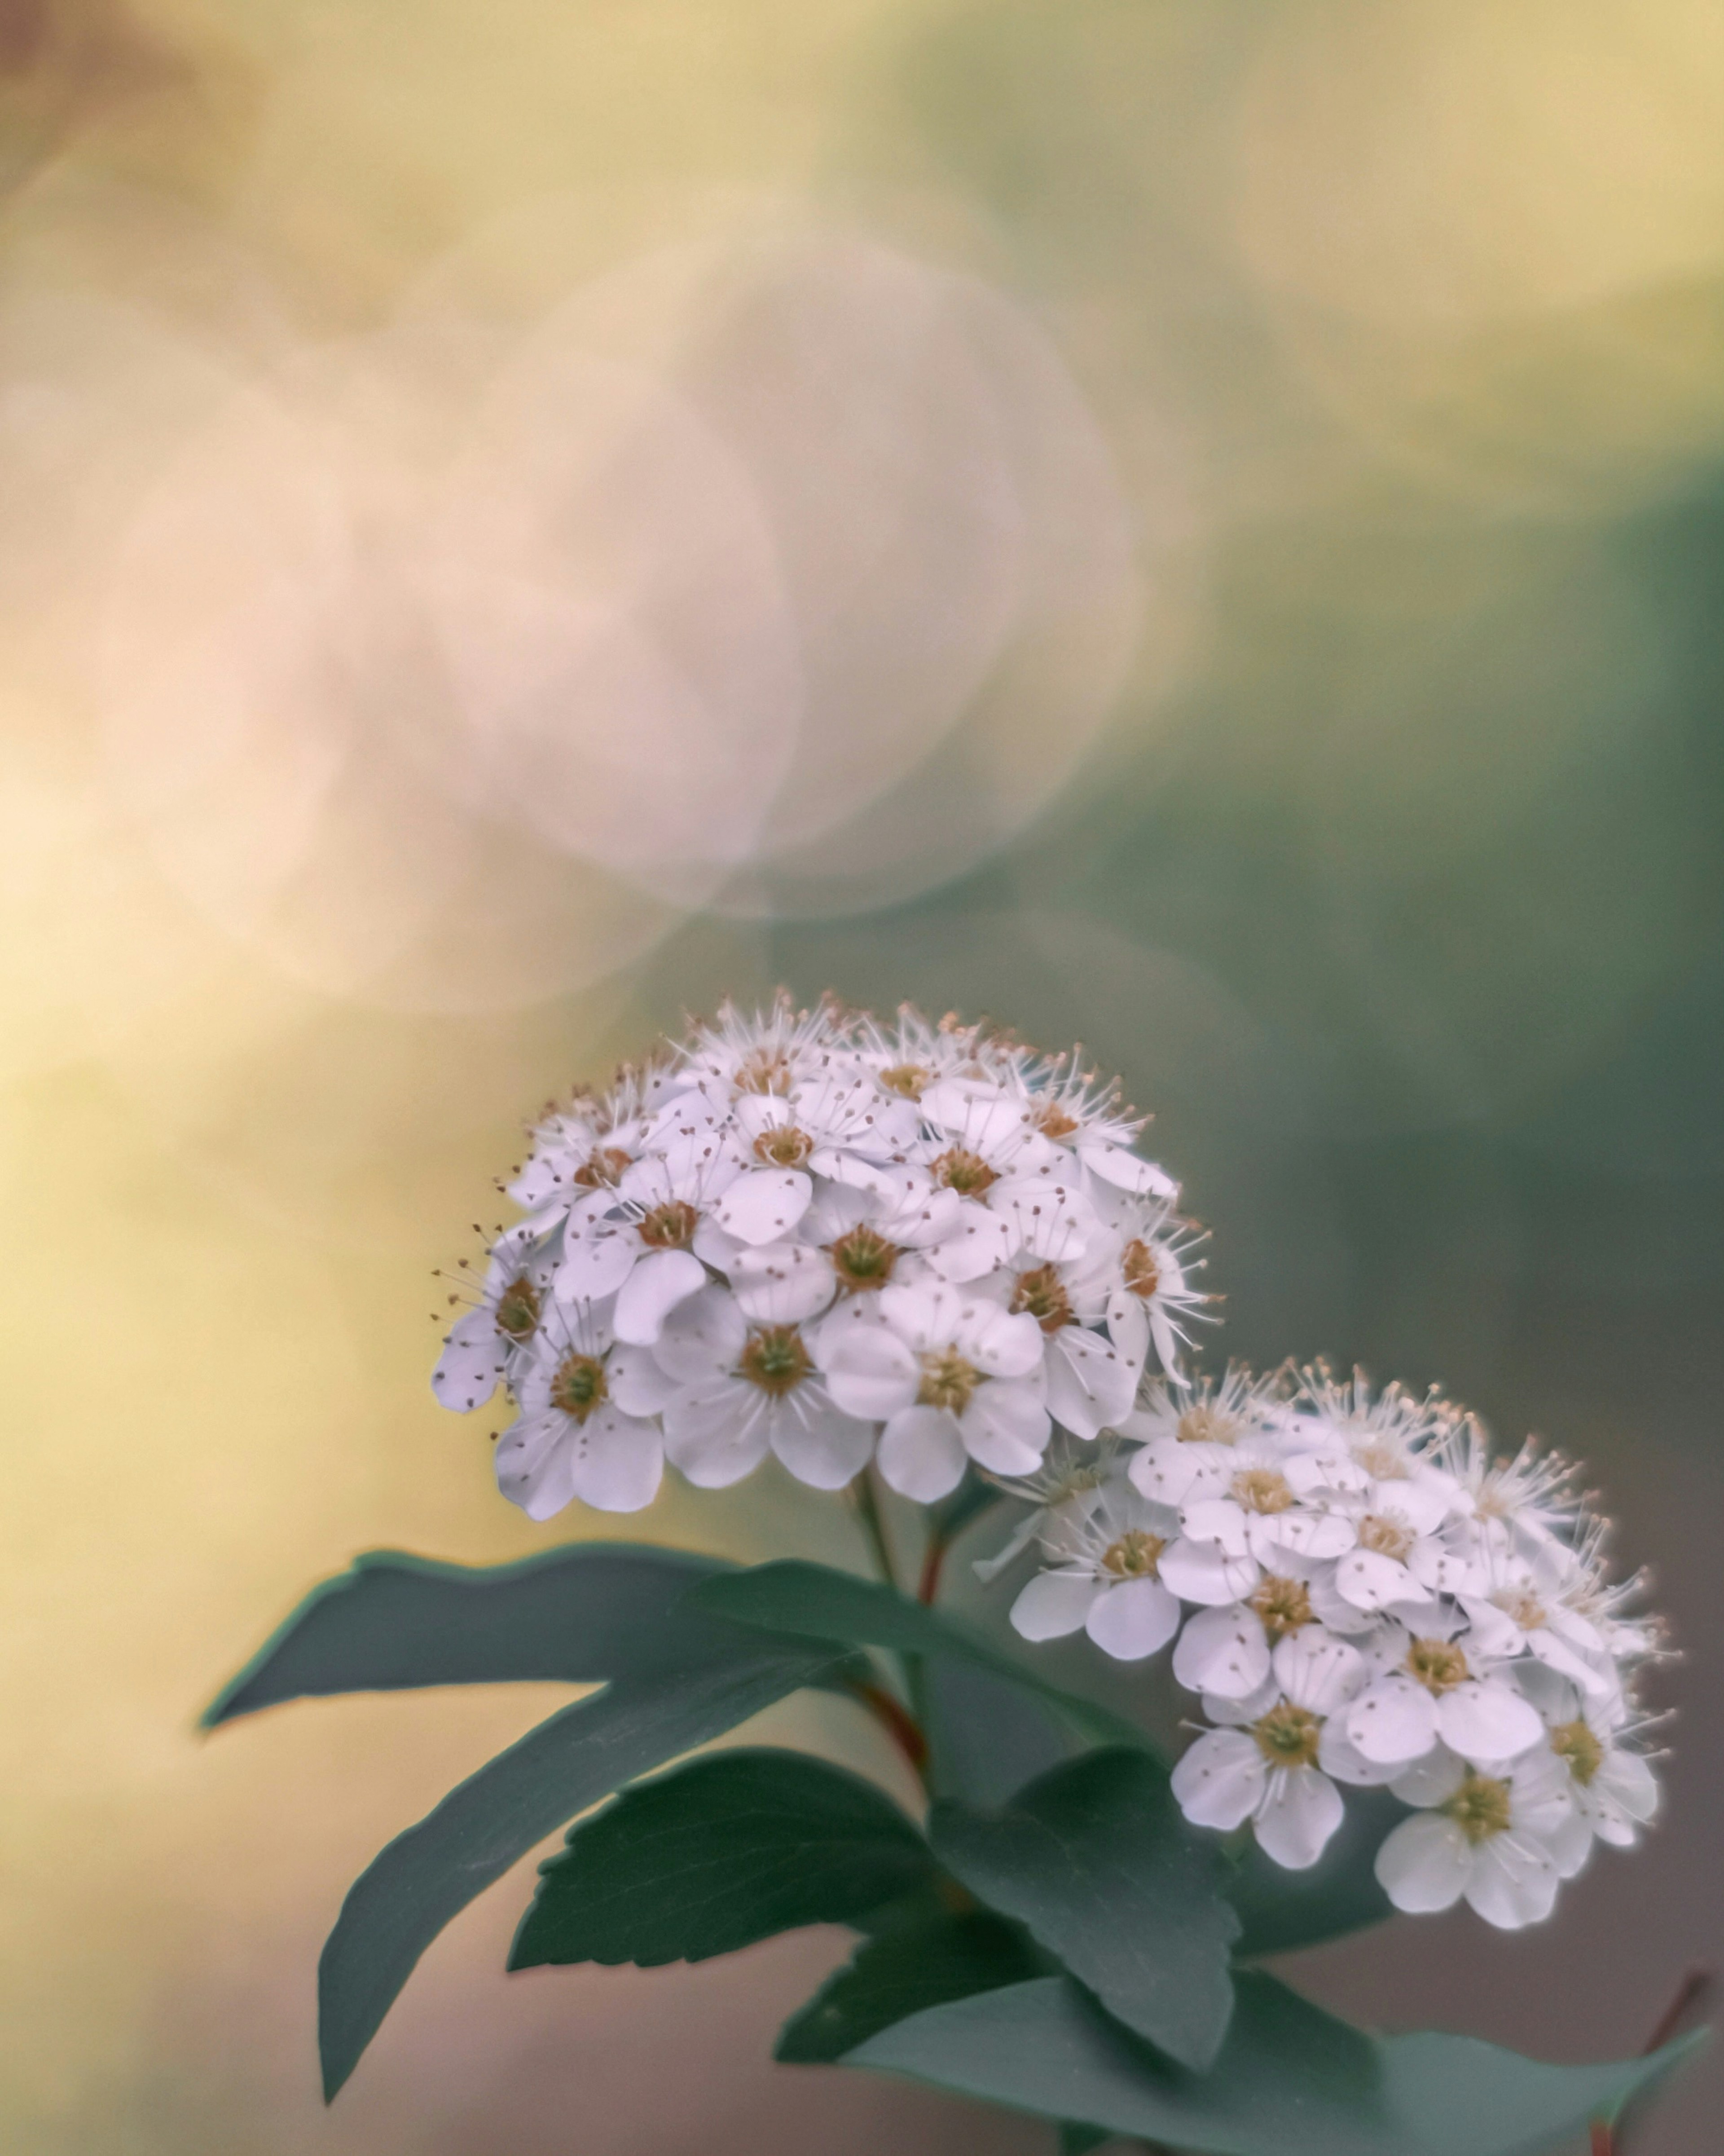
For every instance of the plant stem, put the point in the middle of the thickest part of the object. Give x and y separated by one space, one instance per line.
906 1732
1606 2139
865 1497
933 1558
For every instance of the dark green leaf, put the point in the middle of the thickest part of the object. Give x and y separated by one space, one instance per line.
577 1615
989 1737
718 1853
813 1601
399 1904
937 1956
1096 1860
1290 2081
1281 1910
1079 2140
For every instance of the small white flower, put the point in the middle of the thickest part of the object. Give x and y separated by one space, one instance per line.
1226 1652
1189 1435
1090 1383
645 1249
1271 1773
1611 1784
489 1342
1105 1542
587 1426
953 1378
741 1391
1501 1838
1442 1684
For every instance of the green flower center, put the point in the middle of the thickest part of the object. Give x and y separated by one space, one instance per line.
863 1259
1289 1736
908 1080
1261 1490
776 1360
1437 1664
579 1386
1481 1808
1387 1536
1576 1743
517 1314
965 1173
1282 1604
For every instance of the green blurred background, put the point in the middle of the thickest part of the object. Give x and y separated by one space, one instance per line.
1197 528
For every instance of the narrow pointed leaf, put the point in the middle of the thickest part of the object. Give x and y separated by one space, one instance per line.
1280 1910
989 1736
1290 2081
577 1615
795 1599
1095 1859
718 1853
425 1877
937 1955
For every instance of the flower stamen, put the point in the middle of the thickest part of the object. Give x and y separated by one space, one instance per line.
1261 1490
776 1359
1282 1604
1289 1736
964 1172
1042 1293
862 1260
517 1313
1481 1808
579 1386
1136 1555
1439 1665
670 1226
1576 1744
948 1381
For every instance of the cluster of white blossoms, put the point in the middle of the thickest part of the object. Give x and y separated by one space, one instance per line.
842 1243
1361 1594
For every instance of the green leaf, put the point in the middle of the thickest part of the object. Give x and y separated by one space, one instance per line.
425 1877
1079 2140
1279 1910
935 1956
1290 2081
1097 1861
812 1601
989 1736
716 1854
577 1615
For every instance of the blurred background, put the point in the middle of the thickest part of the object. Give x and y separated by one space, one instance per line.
1190 525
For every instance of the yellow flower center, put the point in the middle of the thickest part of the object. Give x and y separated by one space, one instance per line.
1289 1736
863 1259
1261 1490
1205 1424
1283 1605
517 1314
1439 1665
1481 1808
1043 1294
1052 1119
948 1381
964 1172
764 1071
1382 1462
579 1386
1136 1555
1576 1743
783 1145
1387 1535
670 1226
1143 1274
776 1360
1527 1610
908 1080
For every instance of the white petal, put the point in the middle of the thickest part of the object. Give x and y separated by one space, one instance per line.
1127 1171
1201 1572
1135 1618
1053 1603
1317 1672
996 1342
921 1453
1217 1520
1514 1880
1425 1864
870 1372
1371 1581
470 1367
1394 1720
820 1445
1431 1780
1219 1782
1173 1473
1556 1654
764 1204
636 1381
1302 1809
976 1242
619 1462
716 1434
1628 1782
1128 1326
1343 1760
1005 1428
1307 1534
702 1338
1487 1720
598 1264
652 1289
533 1466
781 1283
1091 1384
1223 1652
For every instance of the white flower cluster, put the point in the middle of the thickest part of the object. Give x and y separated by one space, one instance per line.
807 1233
1361 1594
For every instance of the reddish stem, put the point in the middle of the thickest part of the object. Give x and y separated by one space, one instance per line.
1604 2140
1693 1988
932 1561
903 1728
